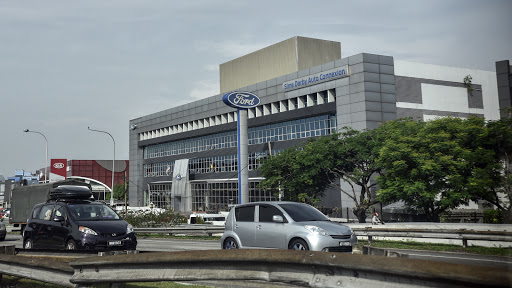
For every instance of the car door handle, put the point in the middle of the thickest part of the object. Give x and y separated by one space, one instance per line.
236 226
258 227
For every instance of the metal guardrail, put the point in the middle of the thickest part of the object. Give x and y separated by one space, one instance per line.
42 269
199 229
452 234
304 268
370 232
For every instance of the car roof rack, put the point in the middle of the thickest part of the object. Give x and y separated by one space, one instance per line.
71 193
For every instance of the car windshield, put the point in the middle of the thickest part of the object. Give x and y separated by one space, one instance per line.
84 211
303 213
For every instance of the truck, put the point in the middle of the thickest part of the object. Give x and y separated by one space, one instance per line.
24 198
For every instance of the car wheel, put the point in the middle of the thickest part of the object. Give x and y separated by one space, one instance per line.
28 244
71 245
230 243
298 244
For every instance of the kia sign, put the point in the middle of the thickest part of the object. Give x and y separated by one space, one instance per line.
58 165
58 169
241 100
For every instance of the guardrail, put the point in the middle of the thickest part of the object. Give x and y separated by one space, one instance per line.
42 269
203 229
376 231
458 234
304 268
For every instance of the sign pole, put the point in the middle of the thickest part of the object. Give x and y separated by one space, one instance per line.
242 101
243 157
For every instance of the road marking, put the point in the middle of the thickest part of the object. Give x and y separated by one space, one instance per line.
462 258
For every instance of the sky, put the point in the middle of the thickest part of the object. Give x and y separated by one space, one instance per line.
68 65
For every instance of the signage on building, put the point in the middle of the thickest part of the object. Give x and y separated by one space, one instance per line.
323 76
241 100
58 169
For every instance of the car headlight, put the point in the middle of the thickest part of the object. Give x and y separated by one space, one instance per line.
129 229
315 229
87 230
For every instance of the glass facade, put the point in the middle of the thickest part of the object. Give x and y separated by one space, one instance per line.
197 144
160 196
220 196
289 130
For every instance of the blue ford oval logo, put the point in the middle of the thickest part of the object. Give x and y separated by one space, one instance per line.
242 100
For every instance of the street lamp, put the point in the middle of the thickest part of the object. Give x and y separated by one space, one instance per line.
113 164
45 167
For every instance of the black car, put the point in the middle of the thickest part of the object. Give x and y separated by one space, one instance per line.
72 220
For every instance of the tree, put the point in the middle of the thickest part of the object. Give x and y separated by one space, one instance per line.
352 160
119 191
307 170
297 172
493 172
436 165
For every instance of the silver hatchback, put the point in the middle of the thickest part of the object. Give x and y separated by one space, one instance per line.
285 225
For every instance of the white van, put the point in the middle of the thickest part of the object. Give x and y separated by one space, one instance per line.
217 219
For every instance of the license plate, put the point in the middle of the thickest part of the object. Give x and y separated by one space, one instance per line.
115 243
345 244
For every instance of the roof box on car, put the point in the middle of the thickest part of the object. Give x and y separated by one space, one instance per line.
70 192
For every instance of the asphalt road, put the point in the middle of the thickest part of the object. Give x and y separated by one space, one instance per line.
168 244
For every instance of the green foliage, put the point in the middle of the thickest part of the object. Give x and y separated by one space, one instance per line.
297 172
440 164
153 218
493 217
119 191
305 171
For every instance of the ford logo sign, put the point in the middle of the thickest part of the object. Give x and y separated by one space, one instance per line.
58 165
242 100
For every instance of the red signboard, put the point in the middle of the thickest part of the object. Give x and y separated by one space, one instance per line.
58 169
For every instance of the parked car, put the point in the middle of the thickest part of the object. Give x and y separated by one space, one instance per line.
285 225
3 230
71 220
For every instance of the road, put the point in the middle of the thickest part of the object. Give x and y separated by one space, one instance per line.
168 244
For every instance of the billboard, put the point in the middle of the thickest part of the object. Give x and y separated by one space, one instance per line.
58 169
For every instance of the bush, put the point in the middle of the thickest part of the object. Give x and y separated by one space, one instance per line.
153 218
493 216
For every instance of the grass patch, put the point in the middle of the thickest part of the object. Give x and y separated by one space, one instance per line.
13 281
494 251
179 237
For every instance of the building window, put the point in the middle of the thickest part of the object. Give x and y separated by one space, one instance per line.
289 130
160 196
221 196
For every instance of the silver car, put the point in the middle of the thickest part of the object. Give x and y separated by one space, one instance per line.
285 225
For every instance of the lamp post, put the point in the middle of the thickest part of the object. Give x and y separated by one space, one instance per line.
113 164
46 158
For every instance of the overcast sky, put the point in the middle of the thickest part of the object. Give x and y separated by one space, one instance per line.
66 65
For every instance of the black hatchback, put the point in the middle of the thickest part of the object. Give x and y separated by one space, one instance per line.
70 220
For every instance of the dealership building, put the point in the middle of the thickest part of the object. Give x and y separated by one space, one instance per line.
185 157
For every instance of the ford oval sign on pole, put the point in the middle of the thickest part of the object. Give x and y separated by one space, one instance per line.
242 101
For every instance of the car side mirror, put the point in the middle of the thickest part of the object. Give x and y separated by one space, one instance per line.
277 218
59 219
